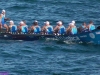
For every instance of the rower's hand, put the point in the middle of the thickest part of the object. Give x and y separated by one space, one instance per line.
7 19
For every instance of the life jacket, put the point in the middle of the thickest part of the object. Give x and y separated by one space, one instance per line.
37 29
74 30
91 27
13 28
61 30
49 29
24 29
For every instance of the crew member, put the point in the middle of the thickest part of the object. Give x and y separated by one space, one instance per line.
35 27
2 16
56 29
72 28
47 28
60 28
84 28
12 26
91 26
24 27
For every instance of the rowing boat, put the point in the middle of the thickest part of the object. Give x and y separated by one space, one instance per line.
88 37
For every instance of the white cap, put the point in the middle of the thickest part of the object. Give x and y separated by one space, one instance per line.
59 22
73 22
47 22
36 21
21 22
3 10
11 21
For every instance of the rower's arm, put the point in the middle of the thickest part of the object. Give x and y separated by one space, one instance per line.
56 28
32 27
88 26
42 28
7 19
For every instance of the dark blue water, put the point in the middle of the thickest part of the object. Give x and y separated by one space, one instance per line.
50 57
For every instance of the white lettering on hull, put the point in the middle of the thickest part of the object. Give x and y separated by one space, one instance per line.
67 38
92 35
97 32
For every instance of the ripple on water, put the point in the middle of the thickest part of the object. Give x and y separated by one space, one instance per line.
50 57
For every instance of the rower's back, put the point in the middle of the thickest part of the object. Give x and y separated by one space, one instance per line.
73 29
49 29
24 29
92 27
61 27
37 29
13 28
62 30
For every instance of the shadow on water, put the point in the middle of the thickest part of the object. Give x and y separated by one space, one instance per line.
48 48
71 47
60 42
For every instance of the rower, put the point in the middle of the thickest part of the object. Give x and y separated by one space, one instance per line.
0 21
60 27
84 28
72 28
24 27
48 29
13 28
73 22
3 24
91 26
56 29
36 28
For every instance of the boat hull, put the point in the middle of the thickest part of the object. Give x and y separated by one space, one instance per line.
88 37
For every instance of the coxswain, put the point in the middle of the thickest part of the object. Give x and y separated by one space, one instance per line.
91 26
60 28
47 28
35 27
3 24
